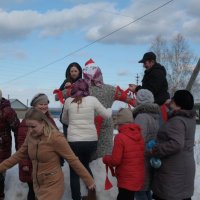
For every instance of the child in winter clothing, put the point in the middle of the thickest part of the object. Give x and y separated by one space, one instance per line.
127 156
146 114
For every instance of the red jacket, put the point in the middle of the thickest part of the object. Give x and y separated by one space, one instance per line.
26 176
128 157
8 122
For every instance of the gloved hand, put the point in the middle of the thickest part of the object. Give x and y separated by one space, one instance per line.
152 150
155 162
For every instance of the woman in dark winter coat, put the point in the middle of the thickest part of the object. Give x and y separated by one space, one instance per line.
72 74
146 114
8 122
127 156
174 180
39 101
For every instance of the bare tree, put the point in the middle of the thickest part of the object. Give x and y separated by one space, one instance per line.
178 59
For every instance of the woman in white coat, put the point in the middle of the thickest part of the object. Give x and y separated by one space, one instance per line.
78 113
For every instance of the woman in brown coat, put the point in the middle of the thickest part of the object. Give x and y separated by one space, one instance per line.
39 101
44 145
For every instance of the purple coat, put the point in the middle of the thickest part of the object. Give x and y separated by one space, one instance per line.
8 122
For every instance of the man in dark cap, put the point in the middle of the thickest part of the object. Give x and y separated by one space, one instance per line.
154 79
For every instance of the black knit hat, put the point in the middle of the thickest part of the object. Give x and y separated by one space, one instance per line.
184 99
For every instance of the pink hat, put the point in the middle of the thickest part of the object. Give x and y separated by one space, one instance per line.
92 74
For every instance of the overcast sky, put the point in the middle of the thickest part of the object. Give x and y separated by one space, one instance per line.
38 39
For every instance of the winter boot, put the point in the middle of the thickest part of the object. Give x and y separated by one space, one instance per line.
84 197
91 195
2 196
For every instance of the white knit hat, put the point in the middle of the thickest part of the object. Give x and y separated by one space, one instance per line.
144 96
0 94
39 98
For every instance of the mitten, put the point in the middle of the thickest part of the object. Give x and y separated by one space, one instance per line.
153 149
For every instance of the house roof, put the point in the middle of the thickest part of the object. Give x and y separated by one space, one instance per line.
17 104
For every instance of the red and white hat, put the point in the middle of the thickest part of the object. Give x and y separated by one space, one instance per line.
89 63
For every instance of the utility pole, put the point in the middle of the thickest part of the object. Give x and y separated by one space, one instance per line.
137 79
193 76
27 102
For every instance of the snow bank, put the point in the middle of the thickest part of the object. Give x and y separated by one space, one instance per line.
15 190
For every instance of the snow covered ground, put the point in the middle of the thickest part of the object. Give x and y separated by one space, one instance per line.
16 190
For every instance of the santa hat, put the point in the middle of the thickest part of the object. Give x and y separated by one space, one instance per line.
90 62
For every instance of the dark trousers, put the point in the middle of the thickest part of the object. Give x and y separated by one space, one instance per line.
2 185
65 127
143 195
125 194
83 151
158 198
31 193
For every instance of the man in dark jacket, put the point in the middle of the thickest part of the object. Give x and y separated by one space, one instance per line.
154 79
8 122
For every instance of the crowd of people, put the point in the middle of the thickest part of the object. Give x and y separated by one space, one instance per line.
165 171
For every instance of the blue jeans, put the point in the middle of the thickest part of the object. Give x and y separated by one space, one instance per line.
143 195
83 151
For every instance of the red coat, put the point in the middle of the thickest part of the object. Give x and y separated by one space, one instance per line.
26 176
8 122
128 157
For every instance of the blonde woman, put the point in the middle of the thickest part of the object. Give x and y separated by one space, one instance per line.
44 144
39 101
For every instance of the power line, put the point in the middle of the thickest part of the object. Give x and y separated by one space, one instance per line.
88 45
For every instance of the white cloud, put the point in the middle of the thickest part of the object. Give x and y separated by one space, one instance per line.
99 19
123 73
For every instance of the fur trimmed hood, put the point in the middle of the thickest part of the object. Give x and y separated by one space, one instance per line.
146 108
183 113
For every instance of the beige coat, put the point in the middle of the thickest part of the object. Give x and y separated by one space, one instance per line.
48 179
